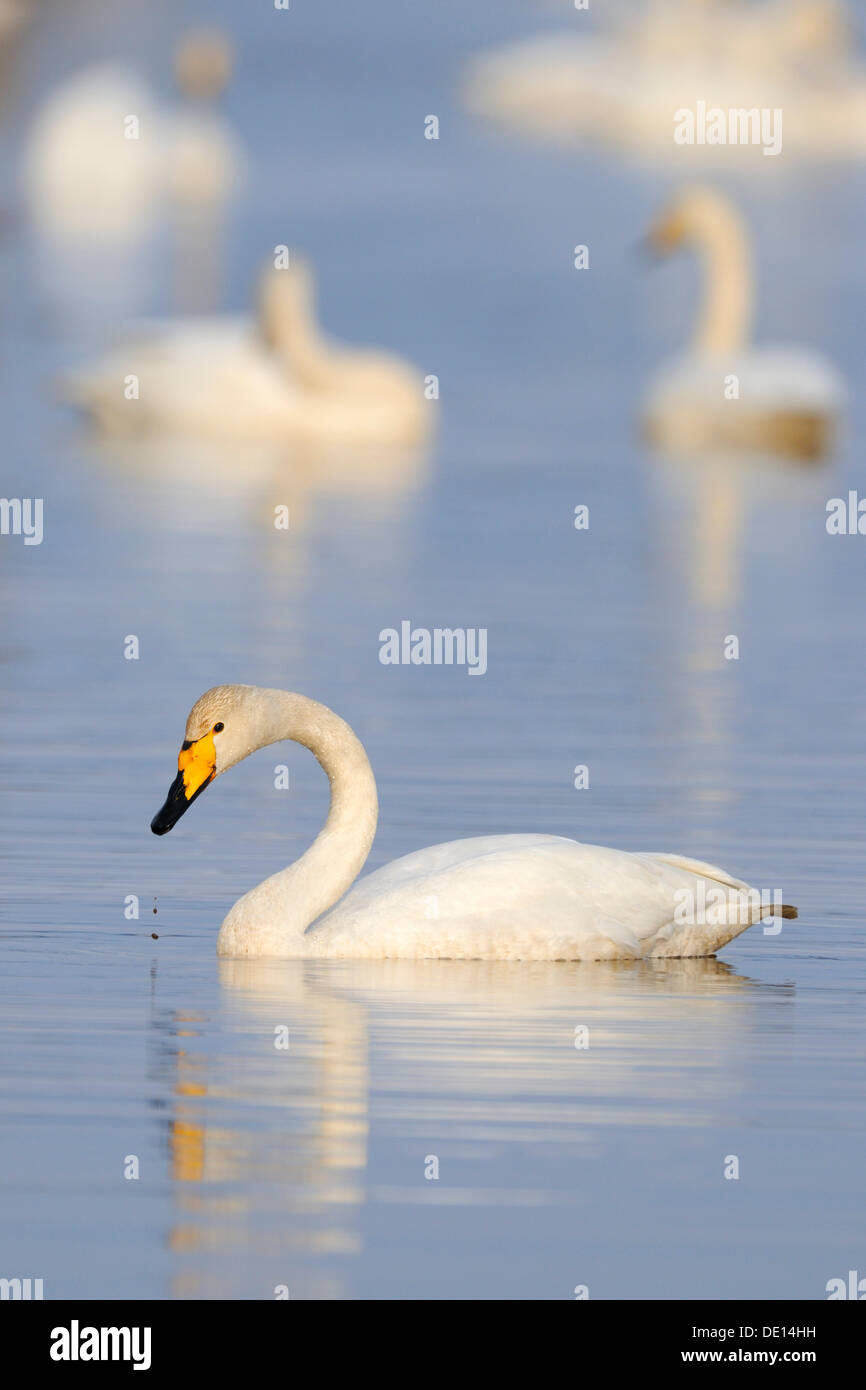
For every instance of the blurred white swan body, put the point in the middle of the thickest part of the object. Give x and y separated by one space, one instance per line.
500 897
86 178
622 86
724 394
235 379
204 377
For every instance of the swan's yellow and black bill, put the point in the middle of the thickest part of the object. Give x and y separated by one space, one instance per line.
196 766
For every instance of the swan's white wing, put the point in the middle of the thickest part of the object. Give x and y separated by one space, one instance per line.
523 897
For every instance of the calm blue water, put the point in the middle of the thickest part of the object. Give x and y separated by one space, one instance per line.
305 1167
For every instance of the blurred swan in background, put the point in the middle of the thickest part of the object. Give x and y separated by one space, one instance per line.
499 897
724 394
210 377
86 178
237 379
622 86
103 151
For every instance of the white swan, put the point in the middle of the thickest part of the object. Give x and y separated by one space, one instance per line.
208 378
503 897
237 379
724 394
87 179
103 152
621 87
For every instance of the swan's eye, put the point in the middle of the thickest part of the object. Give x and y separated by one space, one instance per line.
218 728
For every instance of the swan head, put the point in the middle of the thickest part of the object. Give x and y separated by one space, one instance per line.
224 725
203 64
285 303
696 215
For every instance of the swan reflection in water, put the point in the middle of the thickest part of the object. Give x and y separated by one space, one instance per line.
272 1149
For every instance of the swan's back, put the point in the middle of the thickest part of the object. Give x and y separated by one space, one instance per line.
524 897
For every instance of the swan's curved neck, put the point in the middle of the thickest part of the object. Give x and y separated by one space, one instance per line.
724 322
285 904
309 357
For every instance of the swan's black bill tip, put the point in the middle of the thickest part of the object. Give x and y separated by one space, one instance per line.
175 804
167 816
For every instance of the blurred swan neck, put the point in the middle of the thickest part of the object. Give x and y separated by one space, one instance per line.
725 319
291 900
304 350
308 356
